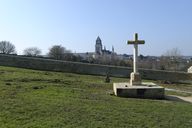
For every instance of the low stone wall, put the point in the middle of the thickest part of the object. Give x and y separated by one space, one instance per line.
91 69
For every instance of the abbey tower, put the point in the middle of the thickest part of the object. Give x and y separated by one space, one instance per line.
98 46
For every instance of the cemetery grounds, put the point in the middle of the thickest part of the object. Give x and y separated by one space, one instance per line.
42 99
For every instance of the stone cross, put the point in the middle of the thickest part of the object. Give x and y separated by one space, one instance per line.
135 77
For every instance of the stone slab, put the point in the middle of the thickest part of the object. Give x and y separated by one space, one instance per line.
145 90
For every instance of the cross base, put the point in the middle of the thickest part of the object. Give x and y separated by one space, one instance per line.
145 90
135 79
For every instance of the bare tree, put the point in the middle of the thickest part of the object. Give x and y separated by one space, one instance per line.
59 52
173 54
170 59
7 48
32 51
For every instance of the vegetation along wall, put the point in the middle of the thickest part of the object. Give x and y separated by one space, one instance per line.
91 69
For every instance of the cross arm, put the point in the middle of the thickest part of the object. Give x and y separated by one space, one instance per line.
136 42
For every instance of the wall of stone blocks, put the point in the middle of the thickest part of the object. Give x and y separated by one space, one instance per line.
91 69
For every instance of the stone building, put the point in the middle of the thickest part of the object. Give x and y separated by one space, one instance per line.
98 46
100 51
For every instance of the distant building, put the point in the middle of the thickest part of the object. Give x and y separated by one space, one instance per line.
98 46
99 50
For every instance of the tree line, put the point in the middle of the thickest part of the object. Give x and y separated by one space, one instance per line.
170 60
57 52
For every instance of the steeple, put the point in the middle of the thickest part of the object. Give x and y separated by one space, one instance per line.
113 49
98 40
98 46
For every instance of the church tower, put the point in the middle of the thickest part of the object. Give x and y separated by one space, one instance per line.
113 51
98 46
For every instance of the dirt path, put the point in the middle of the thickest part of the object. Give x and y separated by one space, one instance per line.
187 99
179 98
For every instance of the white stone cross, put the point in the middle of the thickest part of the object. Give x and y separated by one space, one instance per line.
135 78
135 51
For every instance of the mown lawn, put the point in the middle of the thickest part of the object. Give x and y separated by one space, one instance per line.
41 99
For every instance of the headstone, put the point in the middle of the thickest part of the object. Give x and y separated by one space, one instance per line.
107 78
136 88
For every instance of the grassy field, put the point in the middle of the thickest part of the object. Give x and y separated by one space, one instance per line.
40 99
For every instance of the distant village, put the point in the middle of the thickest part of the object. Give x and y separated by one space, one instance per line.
169 61
172 60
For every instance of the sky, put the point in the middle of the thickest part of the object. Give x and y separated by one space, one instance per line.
75 24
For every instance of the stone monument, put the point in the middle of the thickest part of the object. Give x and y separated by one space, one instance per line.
136 88
135 78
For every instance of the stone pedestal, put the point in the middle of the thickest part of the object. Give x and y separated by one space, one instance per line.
135 79
145 90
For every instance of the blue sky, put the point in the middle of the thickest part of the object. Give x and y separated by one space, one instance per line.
75 24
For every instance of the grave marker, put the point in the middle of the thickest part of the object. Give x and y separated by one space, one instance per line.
135 88
135 78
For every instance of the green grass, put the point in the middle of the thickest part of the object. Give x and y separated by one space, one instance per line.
40 99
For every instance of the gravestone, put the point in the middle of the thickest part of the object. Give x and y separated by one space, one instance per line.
136 88
107 78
